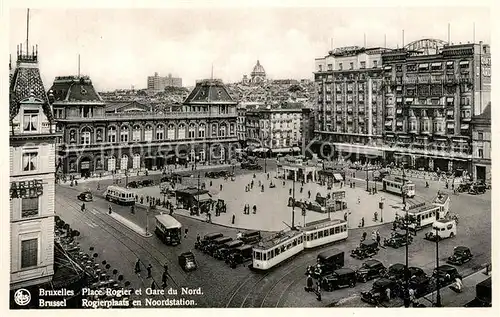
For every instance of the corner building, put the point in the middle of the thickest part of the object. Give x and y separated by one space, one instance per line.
98 139
32 176
431 92
349 105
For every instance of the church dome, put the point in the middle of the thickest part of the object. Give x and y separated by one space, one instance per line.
258 70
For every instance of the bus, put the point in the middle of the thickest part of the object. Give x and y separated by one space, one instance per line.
168 229
269 253
120 195
394 185
323 232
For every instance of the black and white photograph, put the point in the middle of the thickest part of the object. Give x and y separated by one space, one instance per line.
230 156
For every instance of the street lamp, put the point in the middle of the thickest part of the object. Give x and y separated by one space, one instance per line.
293 204
438 293
366 167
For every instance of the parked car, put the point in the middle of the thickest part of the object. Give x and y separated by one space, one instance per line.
367 248
397 239
133 184
396 272
327 262
446 274
460 256
250 166
369 270
378 292
224 252
187 261
477 188
85 196
419 281
240 255
147 182
340 278
216 244
207 239
251 237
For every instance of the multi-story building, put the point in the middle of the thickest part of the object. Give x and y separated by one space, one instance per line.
158 83
97 140
277 129
307 130
241 124
349 108
32 176
481 145
431 92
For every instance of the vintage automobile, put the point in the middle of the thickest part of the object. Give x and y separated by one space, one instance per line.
85 196
477 188
223 253
397 239
419 281
369 270
216 244
366 249
442 229
187 261
378 292
207 239
340 278
146 183
446 274
218 174
396 272
133 184
251 237
460 256
327 262
250 166
240 255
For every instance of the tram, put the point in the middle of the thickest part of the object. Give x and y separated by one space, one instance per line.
324 232
426 216
394 185
271 252
120 195
168 229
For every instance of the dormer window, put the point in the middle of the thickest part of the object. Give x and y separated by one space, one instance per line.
30 120
83 91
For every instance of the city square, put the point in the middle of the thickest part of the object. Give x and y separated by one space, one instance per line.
358 176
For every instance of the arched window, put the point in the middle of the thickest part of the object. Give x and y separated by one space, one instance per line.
171 132
192 155
202 155
124 134
99 135
136 161
231 129
85 135
124 162
112 134
148 133
182 131
160 133
111 163
214 129
192 130
222 130
72 136
201 130
136 134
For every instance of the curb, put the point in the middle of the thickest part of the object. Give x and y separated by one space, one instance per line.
127 223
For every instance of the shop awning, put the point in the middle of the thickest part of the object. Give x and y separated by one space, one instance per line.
449 112
464 63
338 177
460 140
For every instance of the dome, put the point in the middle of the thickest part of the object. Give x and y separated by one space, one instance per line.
258 70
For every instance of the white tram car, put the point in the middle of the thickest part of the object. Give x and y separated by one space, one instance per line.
394 185
277 249
427 215
323 232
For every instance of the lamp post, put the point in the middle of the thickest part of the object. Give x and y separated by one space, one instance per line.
265 160
407 273
126 178
147 220
293 204
438 293
198 192
366 167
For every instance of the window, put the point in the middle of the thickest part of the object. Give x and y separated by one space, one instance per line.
480 153
192 131
30 120
375 64
30 161
320 68
340 66
148 133
171 132
136 134
29 207
159 132
351 65
363 65
330 67
124 134
201 131
182 131
112 134
231 129
98 136
29 253
480 136
85 136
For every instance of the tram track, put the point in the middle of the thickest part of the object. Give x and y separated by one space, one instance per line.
153 251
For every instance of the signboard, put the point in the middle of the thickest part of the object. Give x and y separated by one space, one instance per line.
346 50
85 165
338 195
26 189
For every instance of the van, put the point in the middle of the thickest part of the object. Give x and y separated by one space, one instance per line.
442 229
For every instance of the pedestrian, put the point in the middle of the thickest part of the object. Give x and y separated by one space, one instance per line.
318 289
234 217
363 237
210 183
309 194
153 285
290 192
309 283
388 293
374 236
345 216
267 175
83 207
164 278
359 201
283 183
198 238
149 270
362 222
220 187
254 209
109 209
301 189
378 240
132 210
137 268
185 233
239 235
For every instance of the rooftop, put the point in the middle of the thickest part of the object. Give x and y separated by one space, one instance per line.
74 89
209 91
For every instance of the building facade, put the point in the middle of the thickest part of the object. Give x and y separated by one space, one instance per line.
132 137
431 91
276 129
481 146
32 176
241 124
158 83
349 108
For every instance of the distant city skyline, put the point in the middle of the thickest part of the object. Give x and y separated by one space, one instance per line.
120 48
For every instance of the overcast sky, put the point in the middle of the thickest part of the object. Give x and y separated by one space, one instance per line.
121 47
